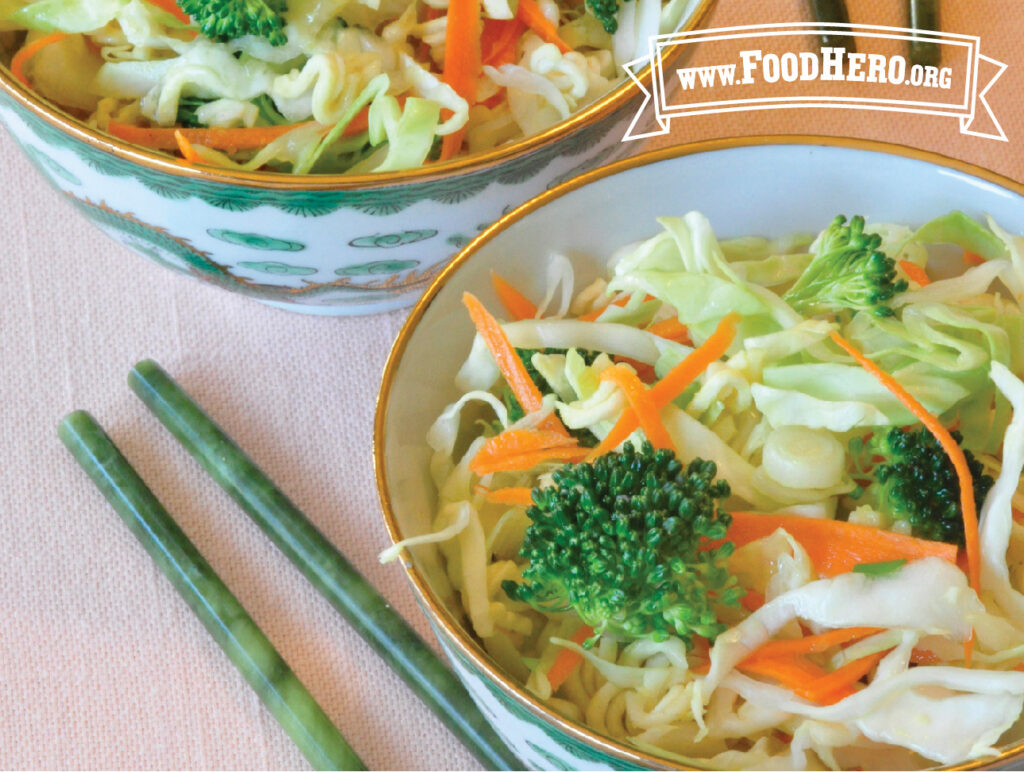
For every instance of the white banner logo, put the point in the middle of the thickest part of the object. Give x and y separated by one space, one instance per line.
875 76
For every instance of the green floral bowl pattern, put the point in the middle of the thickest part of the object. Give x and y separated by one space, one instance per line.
332 252
790 184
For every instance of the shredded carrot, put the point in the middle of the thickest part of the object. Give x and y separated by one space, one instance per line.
529 13
172 8
517 304
462 61
522 449
970 258
915 273
499 39
956 456
952 448
792 671
27 51
508 361
643 370
671 329
813 644
568 659
517 497
187 151
836 546
228 140
839 683
674 382
752 601
641 403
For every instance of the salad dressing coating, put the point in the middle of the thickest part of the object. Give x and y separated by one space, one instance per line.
325 86
765 591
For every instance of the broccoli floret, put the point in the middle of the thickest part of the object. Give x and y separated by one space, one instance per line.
917 483
229 19
848 271
605 11
584 437
624 543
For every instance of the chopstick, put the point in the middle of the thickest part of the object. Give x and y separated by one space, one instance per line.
924 16
321 563
833 12
220 612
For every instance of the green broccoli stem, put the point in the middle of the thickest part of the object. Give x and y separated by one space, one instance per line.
847 272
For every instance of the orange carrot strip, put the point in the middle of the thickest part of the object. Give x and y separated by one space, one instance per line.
517 497
498 41
793 671
813 644
835 546
526 460
952 448
970 258
529 13
752 601
641 403
674 382
187 151
643 370
949 445
522 449
508 361
517 304
26 52
462 61
172 8
220 139
839 683
568 659
915 273
672 329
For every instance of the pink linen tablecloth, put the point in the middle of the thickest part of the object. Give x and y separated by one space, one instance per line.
101 664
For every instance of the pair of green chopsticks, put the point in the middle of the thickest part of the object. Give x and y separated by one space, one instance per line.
923 15
225 618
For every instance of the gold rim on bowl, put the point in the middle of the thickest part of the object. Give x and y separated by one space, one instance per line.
459 637
595 111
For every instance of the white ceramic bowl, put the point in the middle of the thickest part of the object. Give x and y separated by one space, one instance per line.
319 244
767 187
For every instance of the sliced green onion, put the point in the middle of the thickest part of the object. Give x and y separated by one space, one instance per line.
220 612
321 563
880 569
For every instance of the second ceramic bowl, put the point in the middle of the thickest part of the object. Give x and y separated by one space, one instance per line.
319 244
765 187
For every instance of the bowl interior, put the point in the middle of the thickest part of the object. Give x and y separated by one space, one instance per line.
744 189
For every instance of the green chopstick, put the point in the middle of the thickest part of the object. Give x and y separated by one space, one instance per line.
924 17
833 12
221 613
321 563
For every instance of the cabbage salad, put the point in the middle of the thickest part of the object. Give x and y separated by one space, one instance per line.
326 86
752 503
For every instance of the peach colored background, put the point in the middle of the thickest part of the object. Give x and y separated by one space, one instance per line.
101 664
